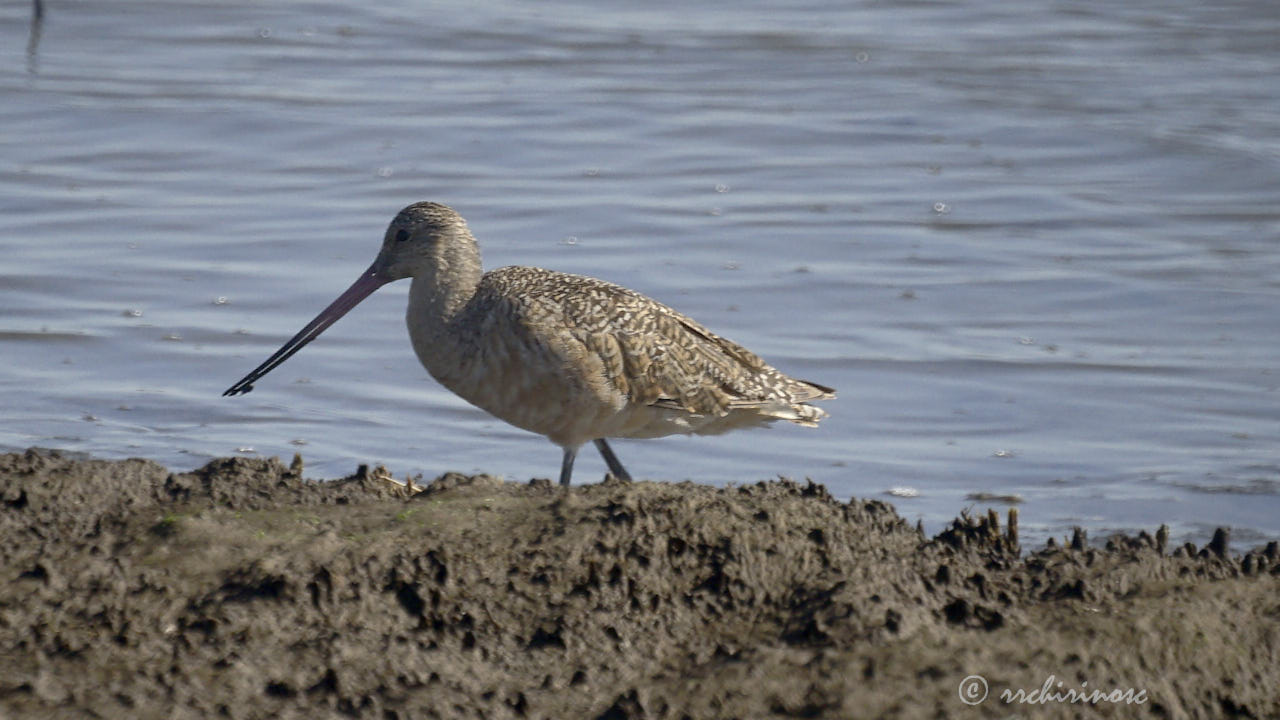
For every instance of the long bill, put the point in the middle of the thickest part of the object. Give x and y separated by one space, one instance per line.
362 288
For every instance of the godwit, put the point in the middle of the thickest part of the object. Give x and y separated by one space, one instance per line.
566 356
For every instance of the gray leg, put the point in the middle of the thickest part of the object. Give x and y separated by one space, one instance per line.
611 460
566 466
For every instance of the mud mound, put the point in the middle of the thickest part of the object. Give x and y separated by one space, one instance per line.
241 590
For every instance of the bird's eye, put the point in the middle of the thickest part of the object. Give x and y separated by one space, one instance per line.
402 235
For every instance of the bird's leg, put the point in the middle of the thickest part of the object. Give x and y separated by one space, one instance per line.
611 460
566 466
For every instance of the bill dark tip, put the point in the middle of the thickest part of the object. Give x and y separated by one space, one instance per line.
237 390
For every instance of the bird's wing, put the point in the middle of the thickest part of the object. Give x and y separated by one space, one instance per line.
657 356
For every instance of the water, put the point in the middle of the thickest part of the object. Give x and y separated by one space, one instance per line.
1034 246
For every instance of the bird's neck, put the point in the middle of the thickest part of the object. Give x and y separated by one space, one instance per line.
436 299
437 326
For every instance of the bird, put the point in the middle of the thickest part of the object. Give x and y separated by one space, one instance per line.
570 357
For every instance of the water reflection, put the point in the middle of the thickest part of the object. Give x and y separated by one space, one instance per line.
33 39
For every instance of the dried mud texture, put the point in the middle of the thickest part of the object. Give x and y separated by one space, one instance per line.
241 590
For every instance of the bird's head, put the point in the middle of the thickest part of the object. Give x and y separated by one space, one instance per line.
427 240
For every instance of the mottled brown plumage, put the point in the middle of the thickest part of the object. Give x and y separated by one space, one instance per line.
570 357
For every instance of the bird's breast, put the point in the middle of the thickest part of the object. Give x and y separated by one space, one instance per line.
543 382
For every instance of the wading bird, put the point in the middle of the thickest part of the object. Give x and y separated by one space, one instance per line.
570 357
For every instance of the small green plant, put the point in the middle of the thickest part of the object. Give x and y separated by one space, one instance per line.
168 525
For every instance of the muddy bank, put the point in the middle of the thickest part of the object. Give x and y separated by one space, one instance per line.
242 590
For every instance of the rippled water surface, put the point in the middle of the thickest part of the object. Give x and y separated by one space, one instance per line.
1036 246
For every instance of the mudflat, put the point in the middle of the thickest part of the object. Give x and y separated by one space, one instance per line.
243 590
